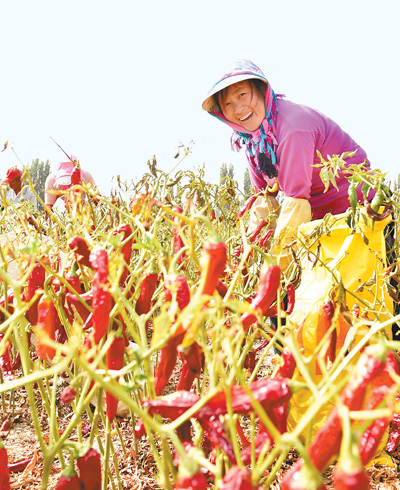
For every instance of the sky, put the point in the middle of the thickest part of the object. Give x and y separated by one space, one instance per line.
116 82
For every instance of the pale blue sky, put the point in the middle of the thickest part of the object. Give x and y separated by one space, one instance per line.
116 82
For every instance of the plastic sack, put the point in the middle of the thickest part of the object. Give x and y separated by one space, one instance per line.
357 261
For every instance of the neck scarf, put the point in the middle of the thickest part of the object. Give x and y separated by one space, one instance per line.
261 144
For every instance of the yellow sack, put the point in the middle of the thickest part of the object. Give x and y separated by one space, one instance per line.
357 260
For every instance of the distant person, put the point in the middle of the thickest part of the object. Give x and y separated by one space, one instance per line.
15 192
68 173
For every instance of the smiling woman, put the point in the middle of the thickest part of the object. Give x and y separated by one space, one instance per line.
283 143
243 103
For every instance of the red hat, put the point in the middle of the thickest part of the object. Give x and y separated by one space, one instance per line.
12 174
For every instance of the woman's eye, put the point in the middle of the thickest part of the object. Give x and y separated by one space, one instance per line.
242 94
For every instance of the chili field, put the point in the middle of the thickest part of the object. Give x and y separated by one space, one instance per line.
137 349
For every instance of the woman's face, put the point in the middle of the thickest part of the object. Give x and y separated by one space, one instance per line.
243 105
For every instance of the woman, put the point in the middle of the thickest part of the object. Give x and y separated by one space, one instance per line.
62 179
282 140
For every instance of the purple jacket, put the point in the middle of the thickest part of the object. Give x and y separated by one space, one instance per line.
300 132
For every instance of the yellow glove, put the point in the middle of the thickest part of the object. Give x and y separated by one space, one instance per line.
262 207
294 212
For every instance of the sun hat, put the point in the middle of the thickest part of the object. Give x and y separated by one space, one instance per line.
244 70
12 174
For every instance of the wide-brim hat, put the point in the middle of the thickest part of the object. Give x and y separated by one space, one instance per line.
245 71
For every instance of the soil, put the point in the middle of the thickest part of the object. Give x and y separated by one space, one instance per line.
136 464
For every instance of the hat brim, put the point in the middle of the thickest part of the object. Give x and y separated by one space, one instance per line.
209 105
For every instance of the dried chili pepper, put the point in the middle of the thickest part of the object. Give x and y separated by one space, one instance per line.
237 479
262 224
115 362
73 300
68 394
374 215
247 205
177 239
147 288
4 473
307 478
126 249
196 481
212 265
264 241
325 320
349 473
19 465
6 365
269 282
175 287
102 299
380 388
35 282
89 466
192 364
81 250
370 365
394 434
45 327
76 176
69 480
267 391
216 433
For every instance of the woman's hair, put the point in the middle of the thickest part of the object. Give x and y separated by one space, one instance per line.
255 83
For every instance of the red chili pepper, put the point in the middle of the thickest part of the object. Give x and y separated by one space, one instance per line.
262 224
89 466
264 241
380 388
216 433
394 434
126 249
45 327
102 299
147 288
192 364
212 265
326 315
247 205
35 281
349 473
269 282
81 250
4 473
237 479
267 391
6 365
69 480
177 239
191 482
76 176
326 442
68 394
307 478
175 287
73 300
115 362
19 465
